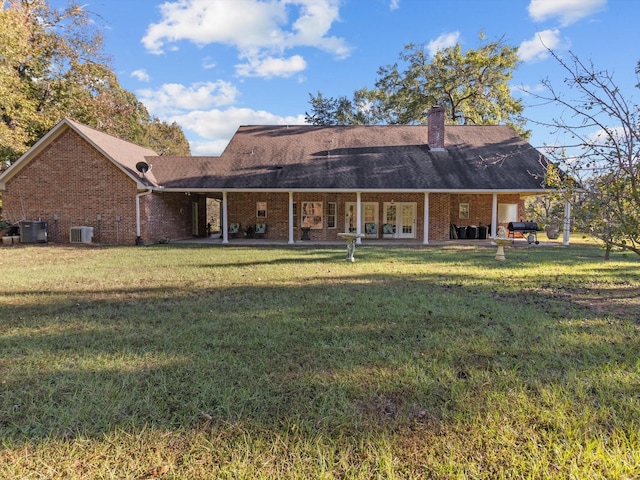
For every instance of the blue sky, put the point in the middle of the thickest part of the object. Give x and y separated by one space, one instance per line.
213 65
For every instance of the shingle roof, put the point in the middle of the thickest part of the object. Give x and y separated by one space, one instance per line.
305 157
361 157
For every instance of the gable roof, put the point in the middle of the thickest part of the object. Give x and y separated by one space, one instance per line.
125 155
347 158
389 157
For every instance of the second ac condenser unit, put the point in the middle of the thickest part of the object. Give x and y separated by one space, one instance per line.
81 234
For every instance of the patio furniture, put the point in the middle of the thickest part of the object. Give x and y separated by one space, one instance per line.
371 229
234 229
260 229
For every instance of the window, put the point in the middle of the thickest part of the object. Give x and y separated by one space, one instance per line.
261 209
463 211
507 212
312 215
331 215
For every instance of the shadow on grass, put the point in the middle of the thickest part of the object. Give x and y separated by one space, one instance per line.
366 353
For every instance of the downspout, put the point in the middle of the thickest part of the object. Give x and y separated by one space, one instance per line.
138 229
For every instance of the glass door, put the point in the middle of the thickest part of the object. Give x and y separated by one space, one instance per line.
368 222
399 220
407 221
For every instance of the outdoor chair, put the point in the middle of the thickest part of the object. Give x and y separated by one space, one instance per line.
234 229
260 229
371 229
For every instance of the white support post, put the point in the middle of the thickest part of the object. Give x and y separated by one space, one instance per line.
425 234
494 216
567 224
225 219
358 215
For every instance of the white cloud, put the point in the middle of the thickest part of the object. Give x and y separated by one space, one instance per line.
527 90
568 11
538 47
208 63
141 75
394 4
174 98
208 148
445 40
272 67
258 29
216 127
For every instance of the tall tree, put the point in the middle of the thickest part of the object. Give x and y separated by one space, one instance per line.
601 152
472 86
53 66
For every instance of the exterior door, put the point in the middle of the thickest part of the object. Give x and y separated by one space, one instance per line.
400 220
368 222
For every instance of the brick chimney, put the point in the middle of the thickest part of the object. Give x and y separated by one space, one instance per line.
435 123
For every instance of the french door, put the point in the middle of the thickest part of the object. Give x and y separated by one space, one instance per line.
368 222
400 219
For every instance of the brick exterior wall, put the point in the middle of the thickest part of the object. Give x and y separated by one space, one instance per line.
169 216
71 184
443 211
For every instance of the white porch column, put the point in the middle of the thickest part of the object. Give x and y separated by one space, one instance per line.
494 216
291 239
225 219
425 239
358 215
567 223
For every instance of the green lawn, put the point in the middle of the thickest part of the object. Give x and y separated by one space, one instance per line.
177 361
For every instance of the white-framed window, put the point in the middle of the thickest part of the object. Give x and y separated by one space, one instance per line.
463 211
261 209
332 211
312 215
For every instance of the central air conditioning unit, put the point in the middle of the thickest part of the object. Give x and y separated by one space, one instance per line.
81 234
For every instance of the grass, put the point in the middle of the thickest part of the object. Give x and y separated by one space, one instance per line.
179 361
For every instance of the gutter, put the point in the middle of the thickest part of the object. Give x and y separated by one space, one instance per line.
138 229
356 190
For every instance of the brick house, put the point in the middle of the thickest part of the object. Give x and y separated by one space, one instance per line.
397 182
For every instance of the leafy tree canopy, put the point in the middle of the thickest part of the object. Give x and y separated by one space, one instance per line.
472 87
52 66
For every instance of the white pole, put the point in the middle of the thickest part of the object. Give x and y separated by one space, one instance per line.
358 215
567 223
425 239
494 216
